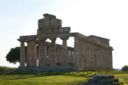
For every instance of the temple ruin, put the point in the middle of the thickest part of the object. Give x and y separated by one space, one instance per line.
89 52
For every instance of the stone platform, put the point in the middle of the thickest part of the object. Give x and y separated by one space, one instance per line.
42 70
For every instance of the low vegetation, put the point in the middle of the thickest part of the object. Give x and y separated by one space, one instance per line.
125 68
40 80
58 78
123 78
5 70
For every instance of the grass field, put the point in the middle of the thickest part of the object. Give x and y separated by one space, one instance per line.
72 78
40 80
123 78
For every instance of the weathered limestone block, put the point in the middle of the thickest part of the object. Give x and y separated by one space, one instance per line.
50 24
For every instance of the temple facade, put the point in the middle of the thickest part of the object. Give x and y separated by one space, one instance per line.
89 52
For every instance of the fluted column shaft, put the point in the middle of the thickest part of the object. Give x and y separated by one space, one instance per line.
34 54
42 54
76 54
22 55
31 54
64 53
53 53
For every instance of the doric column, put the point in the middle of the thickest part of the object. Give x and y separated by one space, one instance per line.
22 55
31 54
64 52
58 54
111 59
28 60
53 53
34 54
76 54
42 53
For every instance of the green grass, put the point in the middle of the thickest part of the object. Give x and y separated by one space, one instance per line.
123 78
40 80
70 78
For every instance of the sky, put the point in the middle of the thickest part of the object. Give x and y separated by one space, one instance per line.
105 18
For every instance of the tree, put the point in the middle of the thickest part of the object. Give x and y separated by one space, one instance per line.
125 68
13 55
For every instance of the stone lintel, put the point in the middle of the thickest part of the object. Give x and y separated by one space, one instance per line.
27 38
90 40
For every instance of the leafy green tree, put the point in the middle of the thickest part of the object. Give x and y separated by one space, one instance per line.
125 68
14 55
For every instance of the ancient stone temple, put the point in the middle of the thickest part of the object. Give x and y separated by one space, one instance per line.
88 53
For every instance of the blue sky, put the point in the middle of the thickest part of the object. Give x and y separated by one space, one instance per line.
106 18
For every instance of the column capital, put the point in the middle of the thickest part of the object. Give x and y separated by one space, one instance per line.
41 40
20 40
53 40
64 38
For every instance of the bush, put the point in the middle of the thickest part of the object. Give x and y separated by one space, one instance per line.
13 55
5 69
125 68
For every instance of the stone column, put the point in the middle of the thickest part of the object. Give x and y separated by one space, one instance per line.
76 54
111 59
28 60
58 54
64 52
42 53
53 53
31 54
22 55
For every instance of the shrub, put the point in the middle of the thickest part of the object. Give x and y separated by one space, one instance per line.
125 68
5 69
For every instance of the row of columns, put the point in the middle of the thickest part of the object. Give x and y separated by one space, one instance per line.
32 53
91 56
